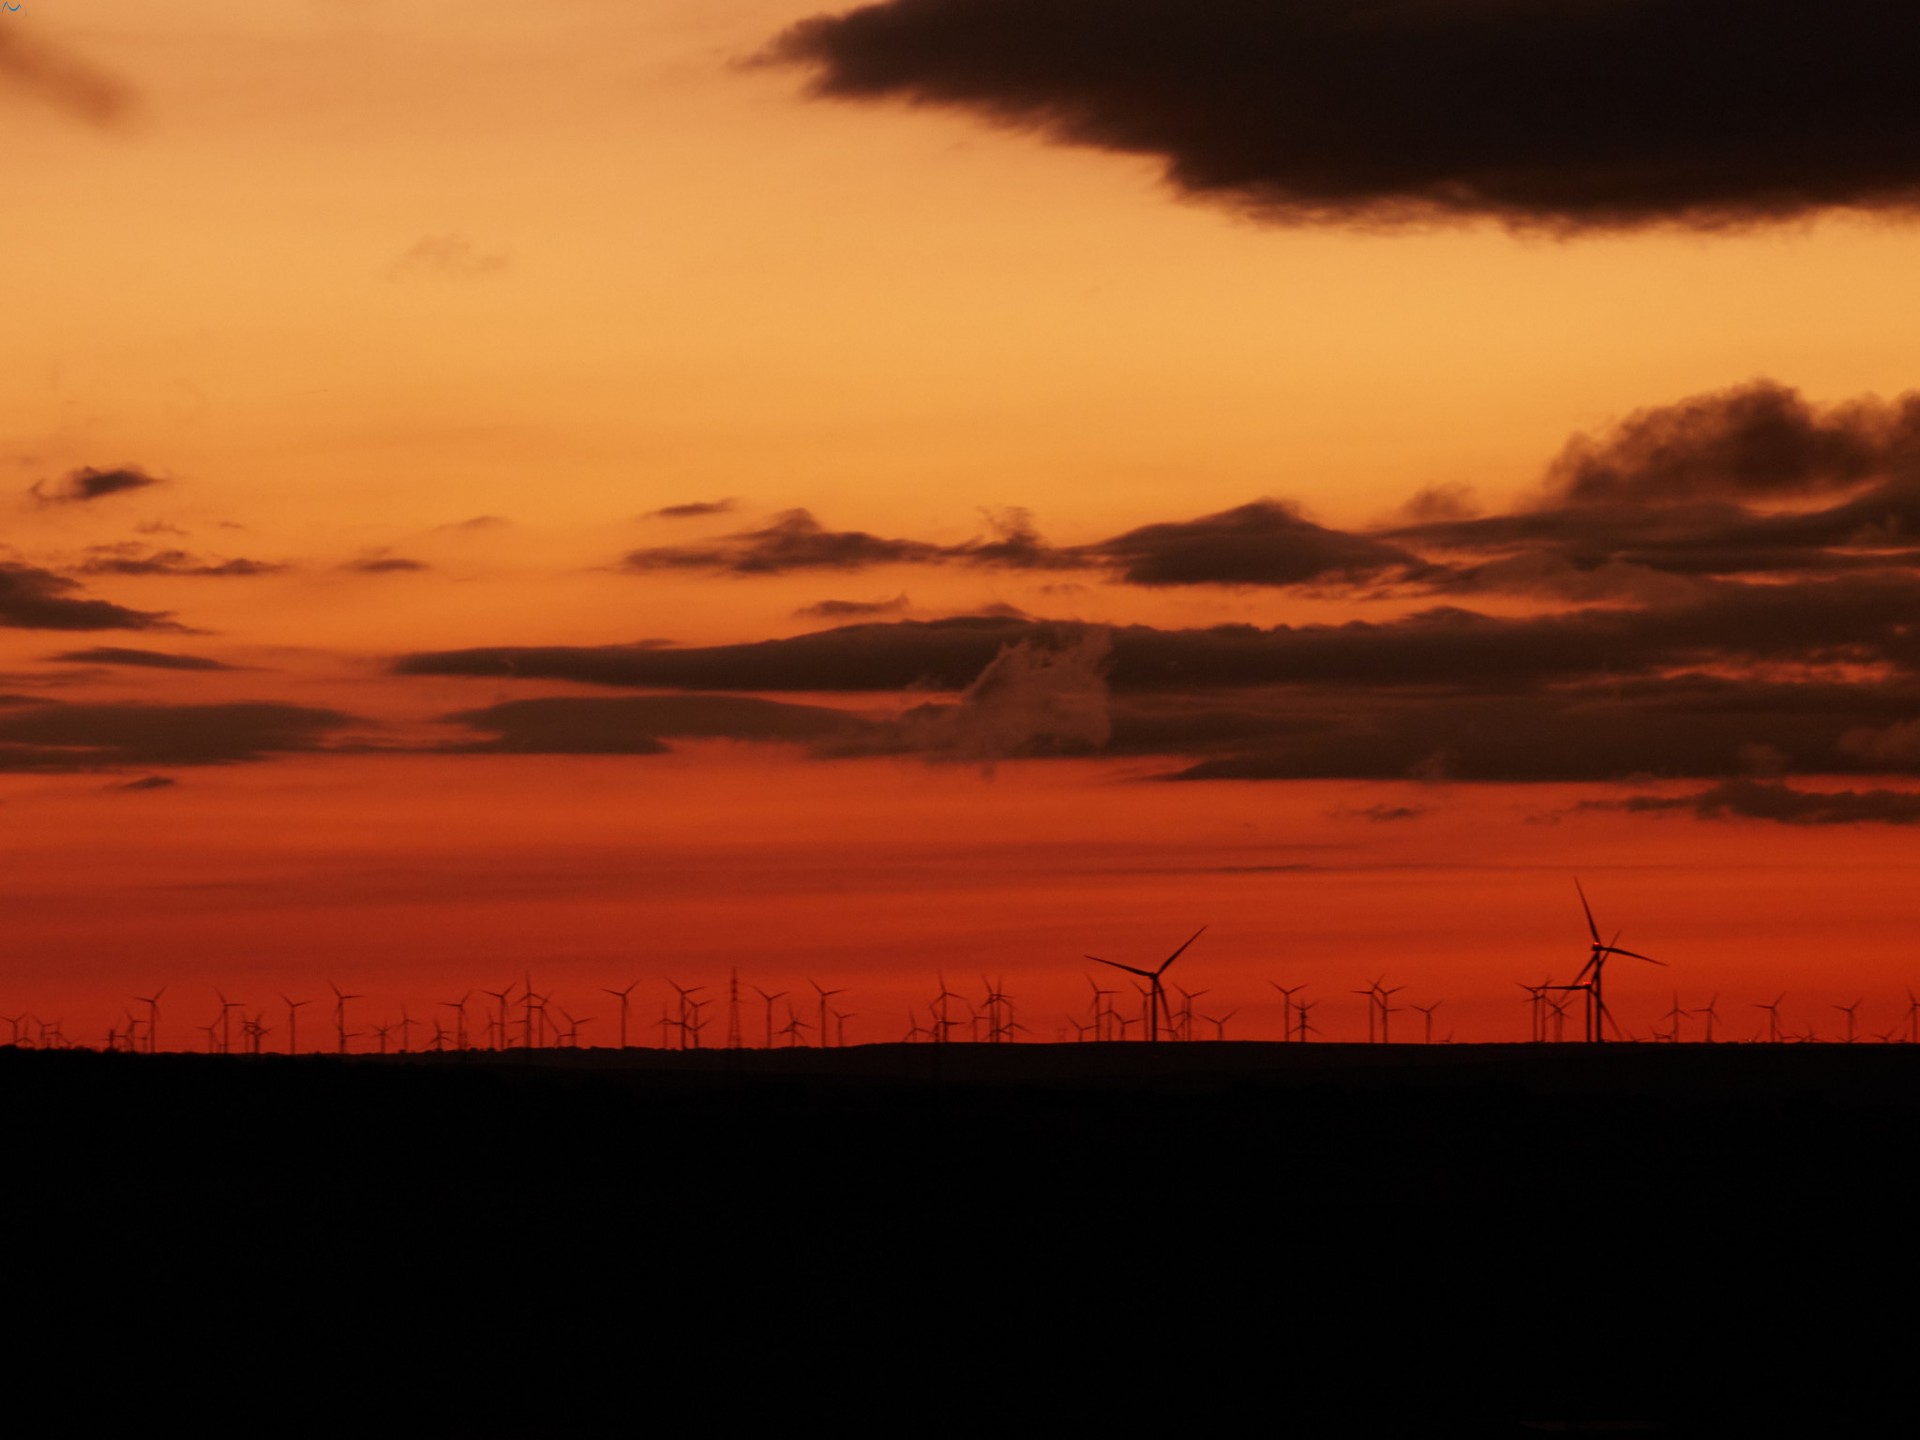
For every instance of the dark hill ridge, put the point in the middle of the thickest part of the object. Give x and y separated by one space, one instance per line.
1122 1231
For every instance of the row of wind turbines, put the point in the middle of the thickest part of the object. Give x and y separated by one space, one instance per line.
520 1017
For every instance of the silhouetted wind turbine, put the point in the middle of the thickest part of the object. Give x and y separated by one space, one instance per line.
1219 1023
1427 1010
340 1013
1676 1015
622 995
1849 1009
1156 992
1286 1007
821 1030
226 1024
1099 1009
769 999
1708 1012
459 1008
1592 974
938 1015
499 1025
293 1007
1386 1007
152 1002
1773 1018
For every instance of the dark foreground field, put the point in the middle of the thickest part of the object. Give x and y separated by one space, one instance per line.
1204 1236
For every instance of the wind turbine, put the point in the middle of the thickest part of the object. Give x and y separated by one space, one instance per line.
1156 991
769 999
1849 1009
1592 974
622 995
1773 1018
1427 1010
459 1008
226 1024
293 1034
1386 1006
821 1030
1286 1007
937 1014
499 1024
1100 1010
340 1013
152 1014
1708 1012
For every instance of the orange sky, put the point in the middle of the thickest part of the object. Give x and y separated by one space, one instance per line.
479 287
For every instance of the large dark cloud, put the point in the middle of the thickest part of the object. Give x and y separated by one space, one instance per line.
86 737
1763 676
1557 114
35 599
142 659
79 486
1853 620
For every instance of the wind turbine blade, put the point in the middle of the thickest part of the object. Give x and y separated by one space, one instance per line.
1616 950
1130 969
1591 927
1176 954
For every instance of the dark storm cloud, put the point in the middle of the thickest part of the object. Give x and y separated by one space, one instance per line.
86 483
1264 543
147 659
1761 800
693 510
127 559
85 737
588 725
35 599
1566 115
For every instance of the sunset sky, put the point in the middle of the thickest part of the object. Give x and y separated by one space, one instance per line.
617 492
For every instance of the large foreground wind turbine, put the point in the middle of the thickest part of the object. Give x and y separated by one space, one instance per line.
1156 992
1592 974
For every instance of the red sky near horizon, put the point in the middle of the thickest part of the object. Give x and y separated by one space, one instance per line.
499 490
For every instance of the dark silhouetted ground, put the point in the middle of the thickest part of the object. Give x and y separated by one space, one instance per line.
1306 1239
